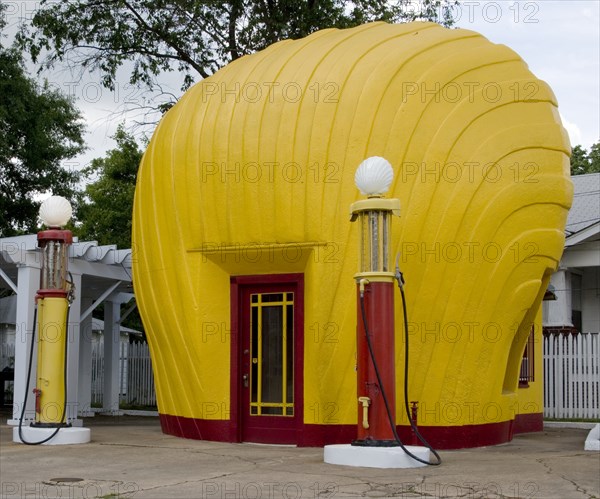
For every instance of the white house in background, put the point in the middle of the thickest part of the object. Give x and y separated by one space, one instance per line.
576 283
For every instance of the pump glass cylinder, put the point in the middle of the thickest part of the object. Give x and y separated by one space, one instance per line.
375 241
54 266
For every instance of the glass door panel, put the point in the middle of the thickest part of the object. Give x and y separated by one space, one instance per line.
272 354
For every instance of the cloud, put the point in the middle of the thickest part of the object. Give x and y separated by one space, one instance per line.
573 130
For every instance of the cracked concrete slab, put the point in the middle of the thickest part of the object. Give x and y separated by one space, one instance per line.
130 457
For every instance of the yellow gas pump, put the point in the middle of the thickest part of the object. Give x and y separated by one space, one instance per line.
52 301
52 304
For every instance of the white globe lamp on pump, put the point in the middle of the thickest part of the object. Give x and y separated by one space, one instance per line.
374 176
55 211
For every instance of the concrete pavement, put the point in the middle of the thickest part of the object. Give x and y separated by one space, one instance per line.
131 457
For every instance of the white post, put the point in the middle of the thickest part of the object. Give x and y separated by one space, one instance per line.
28 284
73 354
85 363
110 397
558 313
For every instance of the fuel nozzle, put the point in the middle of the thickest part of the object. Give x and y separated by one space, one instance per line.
397 274
361 286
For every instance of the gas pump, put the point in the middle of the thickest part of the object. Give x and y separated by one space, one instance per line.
377 444
52 309
52 303
375 301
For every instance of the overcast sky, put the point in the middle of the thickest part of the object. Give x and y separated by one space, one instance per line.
559 40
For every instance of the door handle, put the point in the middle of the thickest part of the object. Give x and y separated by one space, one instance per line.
245 380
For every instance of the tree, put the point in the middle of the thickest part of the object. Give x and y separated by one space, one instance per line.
193 37
580 163
105 211
594 156
39 128
583 162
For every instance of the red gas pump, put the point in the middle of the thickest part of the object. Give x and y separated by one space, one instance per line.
377 444
375 306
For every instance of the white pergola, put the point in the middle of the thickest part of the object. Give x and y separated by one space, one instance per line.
101 274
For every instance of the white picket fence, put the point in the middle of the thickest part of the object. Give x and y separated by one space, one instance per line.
135 371
572 376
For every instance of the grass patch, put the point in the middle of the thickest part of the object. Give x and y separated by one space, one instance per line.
573 420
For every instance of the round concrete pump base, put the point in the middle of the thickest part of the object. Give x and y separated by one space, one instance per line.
65 436
375 457
592 442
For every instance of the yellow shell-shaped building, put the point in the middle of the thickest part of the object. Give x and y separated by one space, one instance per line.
242 233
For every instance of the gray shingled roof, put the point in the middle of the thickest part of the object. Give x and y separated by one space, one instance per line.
586 203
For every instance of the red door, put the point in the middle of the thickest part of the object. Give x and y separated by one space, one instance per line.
270 322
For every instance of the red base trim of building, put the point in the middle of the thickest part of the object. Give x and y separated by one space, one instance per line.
216 430
528 423
460 437
311 435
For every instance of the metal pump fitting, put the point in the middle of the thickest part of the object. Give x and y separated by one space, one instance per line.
366 402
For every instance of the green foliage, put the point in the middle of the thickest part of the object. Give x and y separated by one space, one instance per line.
39 128
193 37
583 162
594 156
105 211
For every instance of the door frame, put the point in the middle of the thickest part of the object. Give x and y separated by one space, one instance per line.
237 283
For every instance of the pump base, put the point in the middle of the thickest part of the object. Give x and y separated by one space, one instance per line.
374 457
65 436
